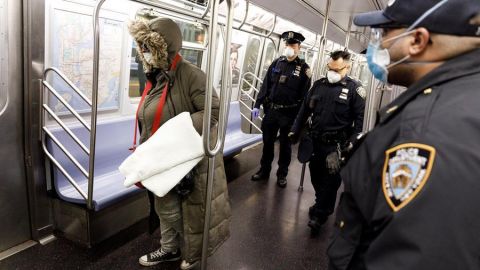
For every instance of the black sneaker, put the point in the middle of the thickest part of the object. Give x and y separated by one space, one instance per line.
282 181
314 225
260 175
159 256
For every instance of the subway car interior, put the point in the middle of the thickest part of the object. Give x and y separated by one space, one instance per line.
71 81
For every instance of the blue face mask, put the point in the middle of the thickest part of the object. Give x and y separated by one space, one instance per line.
378 59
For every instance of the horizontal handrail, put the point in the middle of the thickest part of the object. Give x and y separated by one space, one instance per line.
64 172
248 107
251 86
248 83
248 120
249 97
68 130
67 81
65 103
65 151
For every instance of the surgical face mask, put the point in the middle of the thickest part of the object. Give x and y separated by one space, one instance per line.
289 52
333 77
148 57
378 58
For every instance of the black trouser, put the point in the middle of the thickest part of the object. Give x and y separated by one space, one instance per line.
274 121
324 183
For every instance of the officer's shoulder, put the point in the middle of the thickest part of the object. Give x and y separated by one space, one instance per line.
355 83
357 86
320 81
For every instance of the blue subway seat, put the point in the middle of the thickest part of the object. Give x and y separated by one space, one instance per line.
114 137
236 139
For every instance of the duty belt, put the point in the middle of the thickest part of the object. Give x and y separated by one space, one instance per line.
330 137
278 106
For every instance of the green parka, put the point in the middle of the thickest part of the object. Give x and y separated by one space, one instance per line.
188 95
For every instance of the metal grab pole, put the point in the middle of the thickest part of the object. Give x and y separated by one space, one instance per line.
300 188
224 105
93 125
323 41
347 37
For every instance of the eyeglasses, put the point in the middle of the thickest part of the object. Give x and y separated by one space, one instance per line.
336 69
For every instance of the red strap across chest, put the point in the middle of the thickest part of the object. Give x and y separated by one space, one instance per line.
161 103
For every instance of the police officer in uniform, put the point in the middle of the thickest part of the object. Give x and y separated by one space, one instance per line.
283 89
412 186
336 106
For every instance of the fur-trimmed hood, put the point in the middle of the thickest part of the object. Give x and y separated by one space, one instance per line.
163 38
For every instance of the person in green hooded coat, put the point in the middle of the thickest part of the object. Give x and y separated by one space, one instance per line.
181 218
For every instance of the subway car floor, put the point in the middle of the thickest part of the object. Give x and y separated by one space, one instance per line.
268 230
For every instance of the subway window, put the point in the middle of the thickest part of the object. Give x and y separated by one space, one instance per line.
267 61
250 62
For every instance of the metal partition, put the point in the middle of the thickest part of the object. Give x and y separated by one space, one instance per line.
45 131
243 81
224 106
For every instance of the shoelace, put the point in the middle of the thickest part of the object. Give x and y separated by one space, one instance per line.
157 253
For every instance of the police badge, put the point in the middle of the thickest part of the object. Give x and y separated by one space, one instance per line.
406 170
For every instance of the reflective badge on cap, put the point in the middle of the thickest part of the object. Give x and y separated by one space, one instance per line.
406 170
391 2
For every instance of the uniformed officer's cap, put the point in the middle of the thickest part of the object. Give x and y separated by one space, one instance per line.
454 17
291 37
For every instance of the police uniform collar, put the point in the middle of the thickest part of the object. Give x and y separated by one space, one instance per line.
460 66
297 60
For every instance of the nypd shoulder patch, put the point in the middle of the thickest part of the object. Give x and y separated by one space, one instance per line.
406 170
362 92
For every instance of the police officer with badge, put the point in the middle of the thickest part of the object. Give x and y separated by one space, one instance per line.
411 188
283 89
335 105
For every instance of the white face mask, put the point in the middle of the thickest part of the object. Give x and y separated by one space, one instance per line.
289 52
148 57
333 77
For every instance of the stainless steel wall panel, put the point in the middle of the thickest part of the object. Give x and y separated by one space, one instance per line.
15 225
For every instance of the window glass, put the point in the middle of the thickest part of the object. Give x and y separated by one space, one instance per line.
192 56
269 55
250 62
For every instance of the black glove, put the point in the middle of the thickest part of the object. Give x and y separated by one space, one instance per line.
333 162
293 137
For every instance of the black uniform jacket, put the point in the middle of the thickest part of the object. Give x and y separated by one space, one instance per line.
286 83
412 188
333 107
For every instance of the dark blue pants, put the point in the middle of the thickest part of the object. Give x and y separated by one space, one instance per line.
272 123
324 183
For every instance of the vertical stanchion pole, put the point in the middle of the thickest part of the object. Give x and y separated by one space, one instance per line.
93 125
323 42
224 104
300 188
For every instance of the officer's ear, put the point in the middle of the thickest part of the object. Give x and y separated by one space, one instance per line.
420 42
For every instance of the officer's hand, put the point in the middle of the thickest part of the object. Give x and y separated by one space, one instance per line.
255 113
293 137
333 163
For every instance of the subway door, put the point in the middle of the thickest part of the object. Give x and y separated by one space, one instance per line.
15 225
